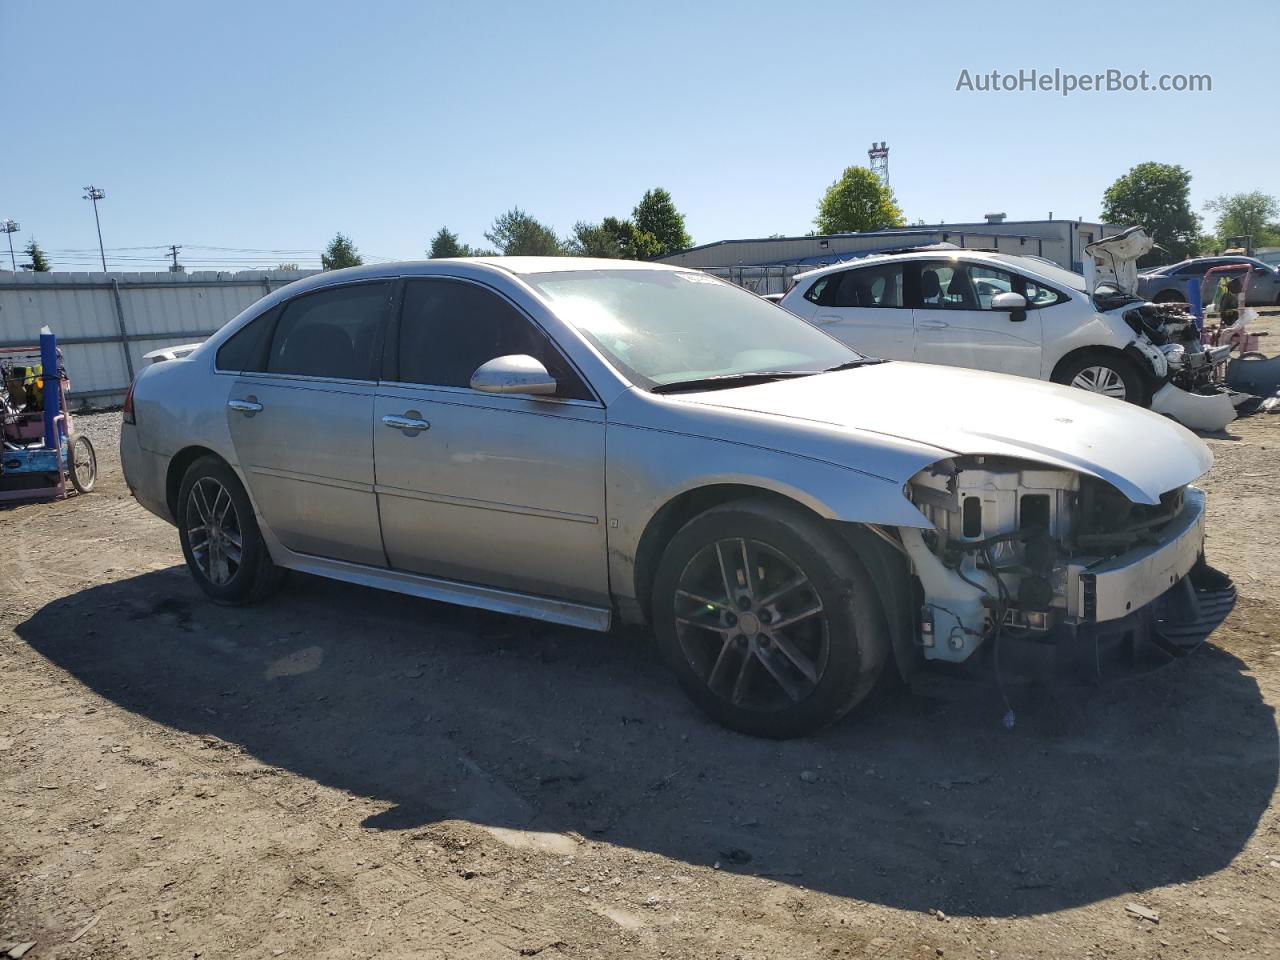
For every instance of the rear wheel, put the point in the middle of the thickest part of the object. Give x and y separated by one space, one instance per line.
83 465
768 620
1108 374
220 539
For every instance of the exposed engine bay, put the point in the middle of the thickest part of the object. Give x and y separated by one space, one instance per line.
1193 376
1026 548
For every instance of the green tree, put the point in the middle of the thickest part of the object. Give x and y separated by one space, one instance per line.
656 215
857 201
445 244
1156 196
39 262
1245 214
340 253
593 240
612 238
517 234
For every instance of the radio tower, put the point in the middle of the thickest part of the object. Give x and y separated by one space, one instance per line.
879 157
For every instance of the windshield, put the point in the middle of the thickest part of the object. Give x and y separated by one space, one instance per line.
665 326
1048 271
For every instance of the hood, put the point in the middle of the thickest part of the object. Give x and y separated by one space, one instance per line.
1114 260
1140 453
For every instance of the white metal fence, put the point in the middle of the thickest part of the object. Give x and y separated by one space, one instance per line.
762 279
105 322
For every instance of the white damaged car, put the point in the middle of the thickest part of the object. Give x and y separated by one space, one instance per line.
1024 316
586 441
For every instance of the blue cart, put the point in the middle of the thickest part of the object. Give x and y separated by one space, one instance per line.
40 450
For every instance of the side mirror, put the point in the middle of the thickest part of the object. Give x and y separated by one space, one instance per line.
1008 301
1014 304
517 373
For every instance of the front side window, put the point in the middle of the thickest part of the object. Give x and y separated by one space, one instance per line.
1040 296
449 328
331 333
961 286
665 326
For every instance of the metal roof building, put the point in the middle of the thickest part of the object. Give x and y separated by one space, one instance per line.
1062 241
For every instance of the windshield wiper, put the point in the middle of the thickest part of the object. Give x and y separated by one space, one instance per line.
724 380
850 364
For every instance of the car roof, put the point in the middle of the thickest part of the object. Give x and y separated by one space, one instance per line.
525 265
1027 265
470 266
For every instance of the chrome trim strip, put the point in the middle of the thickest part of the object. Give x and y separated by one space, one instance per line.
547 609
463 394
494 505
310 478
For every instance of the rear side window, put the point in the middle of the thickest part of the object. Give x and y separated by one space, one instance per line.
815 292
879 286
244 349
334 333
448 329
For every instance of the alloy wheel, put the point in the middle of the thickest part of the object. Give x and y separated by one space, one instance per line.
752 625
217 543
1103 380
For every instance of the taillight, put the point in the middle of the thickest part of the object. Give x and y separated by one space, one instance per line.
128 405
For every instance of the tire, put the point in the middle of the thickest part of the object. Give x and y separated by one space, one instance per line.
726 635
214 512
84 464
1115 376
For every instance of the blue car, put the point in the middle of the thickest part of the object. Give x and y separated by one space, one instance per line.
1169 284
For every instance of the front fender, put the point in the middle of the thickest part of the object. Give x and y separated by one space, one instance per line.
648 469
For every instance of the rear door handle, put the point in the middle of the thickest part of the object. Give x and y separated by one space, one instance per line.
249 406
932 325
410 422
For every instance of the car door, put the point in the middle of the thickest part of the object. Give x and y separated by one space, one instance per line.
955 325
864 308
500 490
301 420
1264 285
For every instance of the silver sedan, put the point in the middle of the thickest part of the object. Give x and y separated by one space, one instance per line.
583 441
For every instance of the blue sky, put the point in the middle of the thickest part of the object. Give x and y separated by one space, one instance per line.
271 125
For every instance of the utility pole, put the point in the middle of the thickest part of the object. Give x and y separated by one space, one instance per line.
11 227
173 252
93 193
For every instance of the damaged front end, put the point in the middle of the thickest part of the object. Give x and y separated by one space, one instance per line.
1058 565
1188 378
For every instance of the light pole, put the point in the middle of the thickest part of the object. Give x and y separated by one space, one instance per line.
93 193
11 227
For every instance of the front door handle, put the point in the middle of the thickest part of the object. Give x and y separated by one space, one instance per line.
410 422
249 406
932 325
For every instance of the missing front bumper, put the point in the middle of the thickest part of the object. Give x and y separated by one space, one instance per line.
1172 626
1109 590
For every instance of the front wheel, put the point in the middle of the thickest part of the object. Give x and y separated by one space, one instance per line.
220 539
1111 376
769 621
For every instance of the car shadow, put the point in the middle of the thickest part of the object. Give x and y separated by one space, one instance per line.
921 802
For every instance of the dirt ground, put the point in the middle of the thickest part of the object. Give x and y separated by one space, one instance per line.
346 773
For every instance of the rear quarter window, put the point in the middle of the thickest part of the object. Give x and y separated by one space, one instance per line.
245 349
